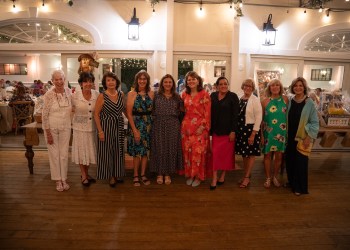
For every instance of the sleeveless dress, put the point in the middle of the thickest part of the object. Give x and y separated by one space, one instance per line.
275 125
243 133
142 115
110 153
166 151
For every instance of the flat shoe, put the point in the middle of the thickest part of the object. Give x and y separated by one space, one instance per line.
189 181
212 187
219 183
65 185
196 183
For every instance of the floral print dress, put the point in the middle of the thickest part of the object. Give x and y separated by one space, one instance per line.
195 146
142 115
275 125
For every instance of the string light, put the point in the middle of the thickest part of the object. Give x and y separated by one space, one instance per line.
43 3
14 4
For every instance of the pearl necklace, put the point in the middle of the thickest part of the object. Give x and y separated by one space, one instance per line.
113 95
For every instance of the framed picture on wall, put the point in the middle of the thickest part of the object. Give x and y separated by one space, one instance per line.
219 71
106 68
264 77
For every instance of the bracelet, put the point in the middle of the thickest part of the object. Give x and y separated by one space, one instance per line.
100 132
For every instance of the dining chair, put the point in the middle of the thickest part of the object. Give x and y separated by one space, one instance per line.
22 111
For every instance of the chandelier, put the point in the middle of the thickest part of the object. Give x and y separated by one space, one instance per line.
313 4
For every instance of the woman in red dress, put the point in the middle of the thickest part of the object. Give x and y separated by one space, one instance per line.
195 128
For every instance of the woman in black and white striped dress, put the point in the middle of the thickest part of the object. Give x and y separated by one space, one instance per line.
110 126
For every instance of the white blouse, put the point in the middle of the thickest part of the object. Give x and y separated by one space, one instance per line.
57 109
83 118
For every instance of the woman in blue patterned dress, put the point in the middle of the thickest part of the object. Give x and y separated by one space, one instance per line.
274 127
139 111
110 125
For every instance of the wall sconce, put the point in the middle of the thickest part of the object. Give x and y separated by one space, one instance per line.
269 32
133 27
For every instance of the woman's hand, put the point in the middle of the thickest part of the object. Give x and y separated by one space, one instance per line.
251 138
101 136
49 138
137 136
306 142
232 136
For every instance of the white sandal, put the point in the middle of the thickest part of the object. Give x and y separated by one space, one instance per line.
267 183
59 186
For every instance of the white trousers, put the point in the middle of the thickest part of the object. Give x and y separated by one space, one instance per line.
58 153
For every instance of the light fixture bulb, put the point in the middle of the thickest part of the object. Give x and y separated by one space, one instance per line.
320 9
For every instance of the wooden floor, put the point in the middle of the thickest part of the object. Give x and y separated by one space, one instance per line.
33 215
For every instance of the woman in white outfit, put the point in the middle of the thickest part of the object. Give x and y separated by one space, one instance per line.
84 129
56 122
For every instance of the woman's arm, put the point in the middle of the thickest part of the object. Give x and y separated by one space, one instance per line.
98 109
129 106
45 117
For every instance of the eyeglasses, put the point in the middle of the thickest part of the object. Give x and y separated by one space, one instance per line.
248 86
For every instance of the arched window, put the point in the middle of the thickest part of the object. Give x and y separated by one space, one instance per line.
43 31
331 41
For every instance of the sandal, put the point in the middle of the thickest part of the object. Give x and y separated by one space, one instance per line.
276 182
59 186
144 180
245 183
112 182
160 179
167 180
267 183
85 182
136 181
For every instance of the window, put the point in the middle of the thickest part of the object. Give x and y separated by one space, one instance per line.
321 74
13 69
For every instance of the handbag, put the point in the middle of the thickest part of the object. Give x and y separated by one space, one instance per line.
302 150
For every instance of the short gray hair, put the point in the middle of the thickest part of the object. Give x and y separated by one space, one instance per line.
56 72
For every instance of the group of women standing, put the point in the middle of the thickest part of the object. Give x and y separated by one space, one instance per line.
177 143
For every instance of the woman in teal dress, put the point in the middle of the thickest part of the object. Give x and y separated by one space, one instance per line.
139 110
274 130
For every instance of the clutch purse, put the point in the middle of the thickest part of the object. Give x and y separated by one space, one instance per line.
302 150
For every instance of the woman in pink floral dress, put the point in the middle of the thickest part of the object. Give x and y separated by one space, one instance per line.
195 129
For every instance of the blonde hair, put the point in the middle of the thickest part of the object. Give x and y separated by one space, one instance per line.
274 81
248 81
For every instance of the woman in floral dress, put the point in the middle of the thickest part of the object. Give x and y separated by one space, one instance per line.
195 128
274 127
138 111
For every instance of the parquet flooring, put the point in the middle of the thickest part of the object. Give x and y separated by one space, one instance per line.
33 215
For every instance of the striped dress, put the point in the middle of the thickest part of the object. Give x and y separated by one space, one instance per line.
110 153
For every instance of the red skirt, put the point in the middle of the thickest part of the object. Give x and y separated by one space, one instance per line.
223 151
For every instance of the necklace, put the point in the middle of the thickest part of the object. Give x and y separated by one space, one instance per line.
299 100
113 95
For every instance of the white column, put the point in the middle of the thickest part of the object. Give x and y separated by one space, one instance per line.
234 80
170 37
